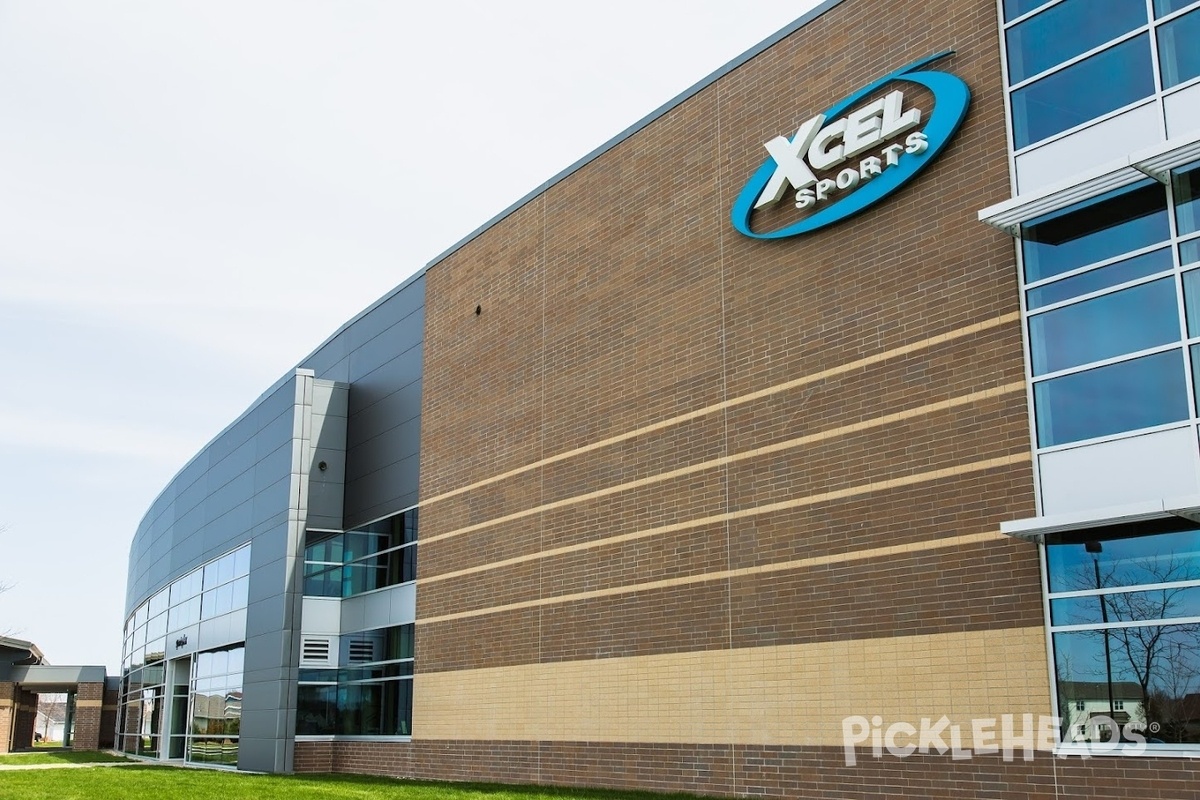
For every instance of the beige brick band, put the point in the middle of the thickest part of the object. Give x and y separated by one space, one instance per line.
793 694
89 703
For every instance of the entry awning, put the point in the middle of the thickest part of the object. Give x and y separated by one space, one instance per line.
1155 162
1035 528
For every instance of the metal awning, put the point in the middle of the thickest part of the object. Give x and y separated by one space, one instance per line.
1155 162
1035 528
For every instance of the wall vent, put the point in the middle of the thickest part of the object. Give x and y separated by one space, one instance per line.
315 651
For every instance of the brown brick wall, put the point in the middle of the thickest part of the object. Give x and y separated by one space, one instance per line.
25 720
592 482
797 773
89 707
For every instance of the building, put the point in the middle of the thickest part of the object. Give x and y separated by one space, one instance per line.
792 470
89 712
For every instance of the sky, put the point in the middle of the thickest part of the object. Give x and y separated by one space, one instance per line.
195 195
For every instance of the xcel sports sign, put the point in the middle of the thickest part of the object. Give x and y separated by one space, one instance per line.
856 153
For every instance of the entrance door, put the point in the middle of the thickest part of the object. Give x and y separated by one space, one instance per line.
179 680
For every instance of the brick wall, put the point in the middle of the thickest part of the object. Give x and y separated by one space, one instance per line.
688 498
89 706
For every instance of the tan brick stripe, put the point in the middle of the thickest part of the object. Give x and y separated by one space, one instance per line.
799 502
842 369
899 416
89 703
794 694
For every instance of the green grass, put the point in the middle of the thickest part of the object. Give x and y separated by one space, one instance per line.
59 757
154 783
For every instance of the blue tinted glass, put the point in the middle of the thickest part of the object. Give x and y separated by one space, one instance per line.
1097 279
1191 301
1124 558
1127 607
1178 51
1186 182
1195 359
1104 227
1064 31
1122 322
1015 8
1121 397
1189 252
1090 664
1083 91
1164 7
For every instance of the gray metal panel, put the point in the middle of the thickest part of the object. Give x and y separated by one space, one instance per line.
399 407
395 309
398 351
383 450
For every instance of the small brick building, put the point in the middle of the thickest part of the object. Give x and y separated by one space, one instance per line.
25 674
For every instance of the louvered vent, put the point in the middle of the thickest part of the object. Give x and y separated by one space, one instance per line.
314 651
362 651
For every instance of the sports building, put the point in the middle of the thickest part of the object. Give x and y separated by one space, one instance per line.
831 432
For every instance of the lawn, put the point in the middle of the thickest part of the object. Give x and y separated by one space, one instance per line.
59 757
154 783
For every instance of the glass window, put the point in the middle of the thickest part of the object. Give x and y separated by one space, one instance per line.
1138 674
1083 91
1102 278
1186 184
1117 222
1122 322
1015 8
1178 49
1191 301
1164 7
1189 252
211 575
1127 606
241 562
1067 30
159 603
1135 394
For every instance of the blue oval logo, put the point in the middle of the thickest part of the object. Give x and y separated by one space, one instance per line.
846 143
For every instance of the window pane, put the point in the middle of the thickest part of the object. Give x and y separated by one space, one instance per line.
1154 552
1189 252
1127 606
1195 359
1121 397
1186 183
1127 219
1178 53
1097 279
241 562
316 710
1133 319
1081 92
1191 301
1066 30
1164 7
1150 670
1015 8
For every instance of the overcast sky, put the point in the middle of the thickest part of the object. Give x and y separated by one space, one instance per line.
194 195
